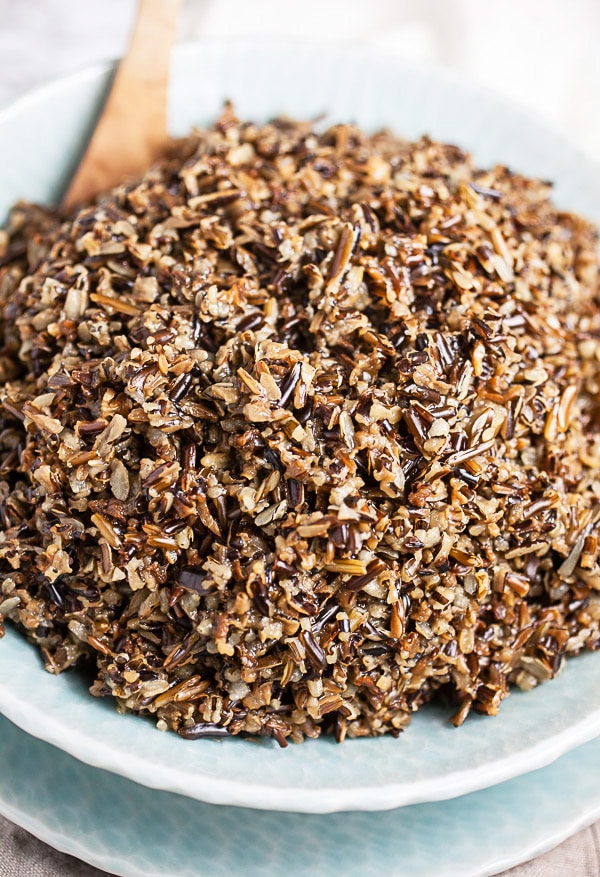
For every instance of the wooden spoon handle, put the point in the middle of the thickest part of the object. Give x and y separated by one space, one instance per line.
132 130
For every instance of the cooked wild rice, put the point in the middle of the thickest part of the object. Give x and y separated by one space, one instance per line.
300 430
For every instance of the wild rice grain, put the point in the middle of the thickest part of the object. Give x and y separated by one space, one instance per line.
300 429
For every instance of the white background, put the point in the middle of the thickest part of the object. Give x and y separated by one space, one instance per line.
543 54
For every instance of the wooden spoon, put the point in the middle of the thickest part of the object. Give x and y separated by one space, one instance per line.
131 132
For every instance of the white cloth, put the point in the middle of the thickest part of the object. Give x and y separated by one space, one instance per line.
541 54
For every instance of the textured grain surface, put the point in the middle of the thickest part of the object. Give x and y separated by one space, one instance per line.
301 430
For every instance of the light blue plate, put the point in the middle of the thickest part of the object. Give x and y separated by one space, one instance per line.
128 830
41 137
430 761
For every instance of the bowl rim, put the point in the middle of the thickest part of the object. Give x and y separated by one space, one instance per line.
425 69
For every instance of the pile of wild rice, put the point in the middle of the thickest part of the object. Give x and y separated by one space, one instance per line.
300 430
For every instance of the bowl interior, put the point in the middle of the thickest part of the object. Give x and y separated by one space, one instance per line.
41 137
